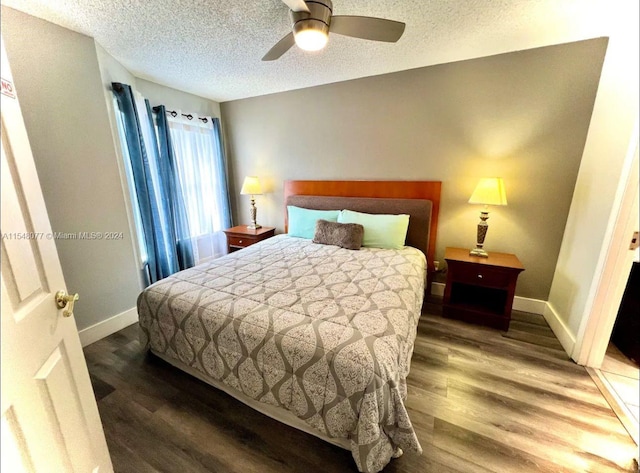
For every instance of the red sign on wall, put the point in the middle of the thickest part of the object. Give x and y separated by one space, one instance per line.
7 89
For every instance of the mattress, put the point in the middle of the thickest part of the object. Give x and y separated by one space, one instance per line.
323 332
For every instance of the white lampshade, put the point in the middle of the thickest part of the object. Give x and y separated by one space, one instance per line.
251 186
489 191
311 39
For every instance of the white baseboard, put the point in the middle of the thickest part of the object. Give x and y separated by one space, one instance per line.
524 304
107 327
562 333
535 306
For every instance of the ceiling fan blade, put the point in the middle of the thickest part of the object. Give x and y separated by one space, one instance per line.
280 48
296 5
366 27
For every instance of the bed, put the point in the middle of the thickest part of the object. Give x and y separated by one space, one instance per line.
317 336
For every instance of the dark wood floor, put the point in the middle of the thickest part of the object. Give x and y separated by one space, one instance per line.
480 400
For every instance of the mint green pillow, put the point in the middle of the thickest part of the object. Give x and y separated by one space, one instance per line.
302 222
380 231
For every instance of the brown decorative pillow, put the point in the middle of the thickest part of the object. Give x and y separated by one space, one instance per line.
345 235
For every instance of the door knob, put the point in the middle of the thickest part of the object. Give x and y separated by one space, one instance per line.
66 300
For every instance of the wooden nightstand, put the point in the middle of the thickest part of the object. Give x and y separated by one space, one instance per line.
240 237
480 290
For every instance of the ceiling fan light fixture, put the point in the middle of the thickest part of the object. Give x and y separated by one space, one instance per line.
311 40
311 35
312 20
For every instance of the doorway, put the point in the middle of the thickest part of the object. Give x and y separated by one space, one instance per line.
615 375
620 372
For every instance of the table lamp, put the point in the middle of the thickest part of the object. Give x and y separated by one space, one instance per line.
489 191
251 186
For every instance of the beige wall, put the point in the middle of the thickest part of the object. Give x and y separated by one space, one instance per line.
610 144
176 99
523 116
57 77
112 71
64 82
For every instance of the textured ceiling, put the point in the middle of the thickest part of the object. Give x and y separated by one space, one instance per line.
214 48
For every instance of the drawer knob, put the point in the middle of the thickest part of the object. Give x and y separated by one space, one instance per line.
240 241
479 276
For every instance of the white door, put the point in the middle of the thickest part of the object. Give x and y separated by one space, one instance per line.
50 420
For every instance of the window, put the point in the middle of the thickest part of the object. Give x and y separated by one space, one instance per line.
179 194
201 174
193 147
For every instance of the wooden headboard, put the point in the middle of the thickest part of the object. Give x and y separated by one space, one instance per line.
426 190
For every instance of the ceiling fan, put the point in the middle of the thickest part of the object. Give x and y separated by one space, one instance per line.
313 20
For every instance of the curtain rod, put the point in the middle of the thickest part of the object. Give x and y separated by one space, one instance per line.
188 116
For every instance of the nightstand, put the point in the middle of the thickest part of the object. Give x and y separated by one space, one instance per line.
240 237
480 290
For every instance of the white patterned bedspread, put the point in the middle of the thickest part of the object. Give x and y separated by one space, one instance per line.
321 331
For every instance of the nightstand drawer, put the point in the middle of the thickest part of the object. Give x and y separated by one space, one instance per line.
481 276
240 237
240 241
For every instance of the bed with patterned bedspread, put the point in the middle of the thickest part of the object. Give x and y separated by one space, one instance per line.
323 332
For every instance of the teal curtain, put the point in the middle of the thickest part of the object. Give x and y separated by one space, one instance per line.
157 193
221 165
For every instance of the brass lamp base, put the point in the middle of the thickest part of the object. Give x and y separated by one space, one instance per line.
253 211
483 226
479 252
